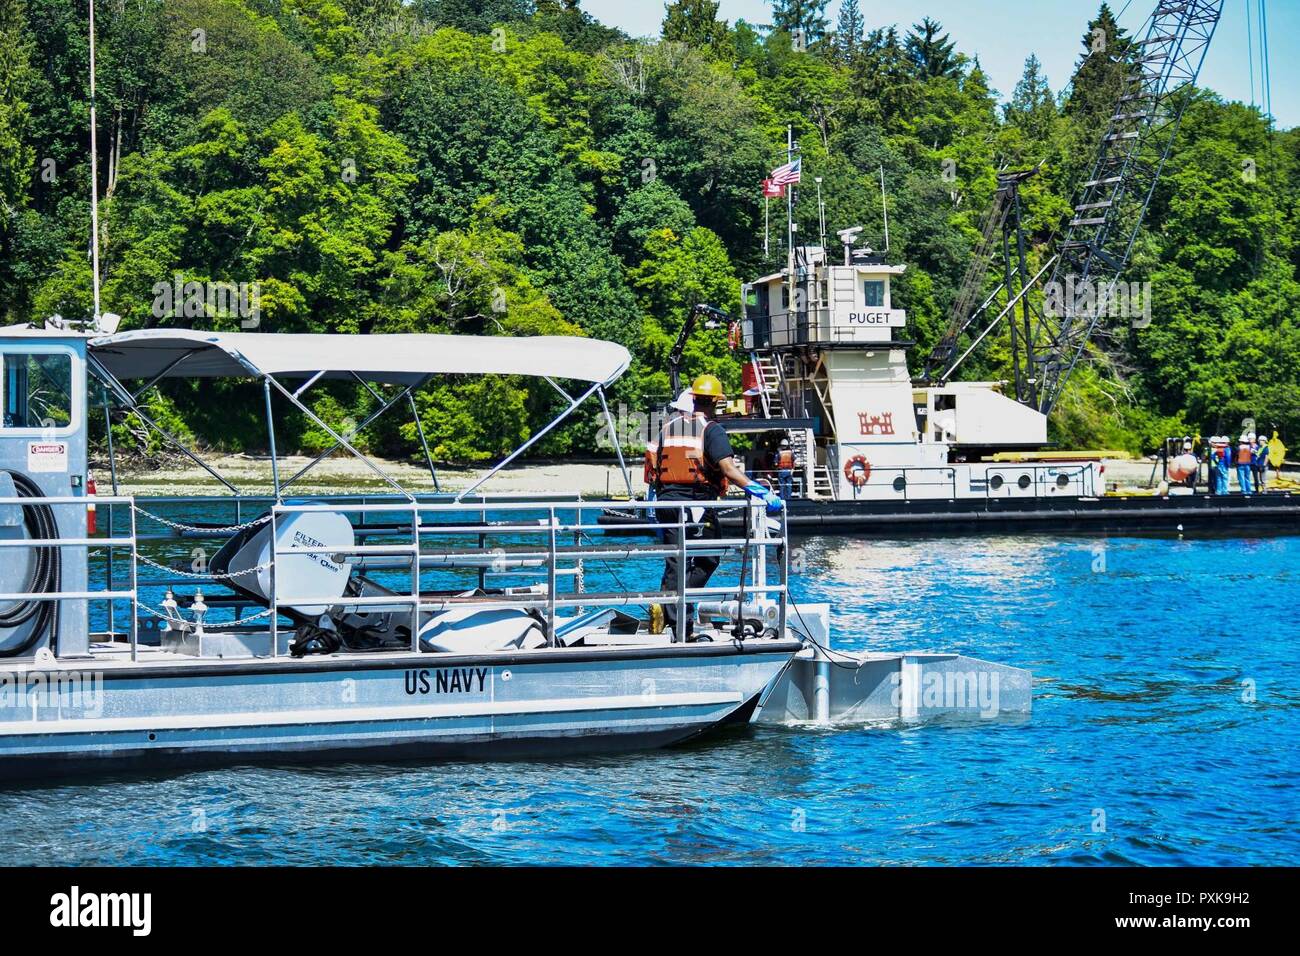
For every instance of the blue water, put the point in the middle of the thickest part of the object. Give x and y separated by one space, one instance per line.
1166 730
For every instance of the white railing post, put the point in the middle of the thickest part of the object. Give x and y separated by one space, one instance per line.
415 577
679 634
135 587
275 598
551 558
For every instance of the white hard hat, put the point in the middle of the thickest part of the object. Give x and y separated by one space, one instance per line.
685 402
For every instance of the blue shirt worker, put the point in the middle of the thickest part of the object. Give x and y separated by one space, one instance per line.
1260 464
693 461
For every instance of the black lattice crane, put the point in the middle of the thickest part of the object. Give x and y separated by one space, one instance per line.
1109 208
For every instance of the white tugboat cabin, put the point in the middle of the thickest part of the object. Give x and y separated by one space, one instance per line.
827 367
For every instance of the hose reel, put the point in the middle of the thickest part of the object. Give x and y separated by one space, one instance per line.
46 572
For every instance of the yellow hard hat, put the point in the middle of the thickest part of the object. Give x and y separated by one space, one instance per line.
707 386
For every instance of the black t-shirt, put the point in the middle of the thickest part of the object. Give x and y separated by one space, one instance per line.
717 449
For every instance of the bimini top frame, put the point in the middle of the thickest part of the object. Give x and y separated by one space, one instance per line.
407 361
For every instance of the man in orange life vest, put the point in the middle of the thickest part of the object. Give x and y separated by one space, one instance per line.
785 462
693 462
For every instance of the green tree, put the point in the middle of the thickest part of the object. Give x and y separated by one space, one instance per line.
1032 109
930 51
695 23
17 157
804 18
850 26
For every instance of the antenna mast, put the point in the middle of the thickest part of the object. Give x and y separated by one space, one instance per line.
94 172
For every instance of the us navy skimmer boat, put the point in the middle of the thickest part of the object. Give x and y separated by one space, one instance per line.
240 627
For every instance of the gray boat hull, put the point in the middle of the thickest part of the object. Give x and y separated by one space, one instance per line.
550 702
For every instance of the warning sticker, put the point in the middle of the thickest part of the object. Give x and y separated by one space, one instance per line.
47 456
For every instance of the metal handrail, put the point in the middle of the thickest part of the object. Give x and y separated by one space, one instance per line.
109 543
802 327
545 557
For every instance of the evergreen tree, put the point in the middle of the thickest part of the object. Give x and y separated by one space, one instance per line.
17 157
883 81
849 29
805 18
474 16
695 23
930 50
1099 77
1033 106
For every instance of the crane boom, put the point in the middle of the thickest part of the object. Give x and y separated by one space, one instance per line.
1109 209
1112 203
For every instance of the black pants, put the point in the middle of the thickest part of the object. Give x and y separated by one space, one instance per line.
698 568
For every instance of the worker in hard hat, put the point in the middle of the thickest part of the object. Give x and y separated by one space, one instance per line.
694 462
1259 463
1245 460
1189 448
1220 454
785 462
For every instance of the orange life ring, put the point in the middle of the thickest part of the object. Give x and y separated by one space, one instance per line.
734 336
857 470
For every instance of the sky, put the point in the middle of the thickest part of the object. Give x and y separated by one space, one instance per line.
1005 32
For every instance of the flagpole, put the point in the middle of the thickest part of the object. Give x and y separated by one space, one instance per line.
767 246
792 310
789 208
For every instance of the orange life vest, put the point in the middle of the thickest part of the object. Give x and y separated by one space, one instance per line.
1244 456
785 460
679 456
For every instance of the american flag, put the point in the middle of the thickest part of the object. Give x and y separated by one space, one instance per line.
788 174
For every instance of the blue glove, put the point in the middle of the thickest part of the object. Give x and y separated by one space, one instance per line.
770 498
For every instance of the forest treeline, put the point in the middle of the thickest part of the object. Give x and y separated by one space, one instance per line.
509 167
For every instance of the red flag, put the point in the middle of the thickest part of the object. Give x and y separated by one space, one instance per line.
772 190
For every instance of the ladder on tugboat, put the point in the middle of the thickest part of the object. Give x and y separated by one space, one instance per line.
771 380
824 483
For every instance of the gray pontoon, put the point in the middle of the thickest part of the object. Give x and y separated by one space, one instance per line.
423 625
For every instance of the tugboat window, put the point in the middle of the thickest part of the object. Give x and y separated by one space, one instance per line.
1062 481
995 482
900 483
873 291
1024 481
37 390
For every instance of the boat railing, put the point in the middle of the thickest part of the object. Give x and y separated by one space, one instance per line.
109 545
818 326
771 477
548 543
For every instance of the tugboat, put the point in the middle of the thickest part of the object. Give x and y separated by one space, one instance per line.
872 448
380 627
871 444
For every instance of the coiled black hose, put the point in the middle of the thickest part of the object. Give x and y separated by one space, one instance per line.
46 572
